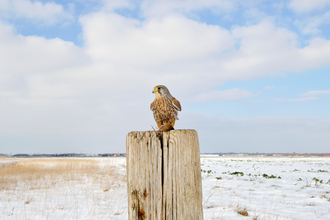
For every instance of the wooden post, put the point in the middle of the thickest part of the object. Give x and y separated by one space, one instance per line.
164 176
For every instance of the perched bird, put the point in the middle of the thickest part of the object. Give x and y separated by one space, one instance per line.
165 108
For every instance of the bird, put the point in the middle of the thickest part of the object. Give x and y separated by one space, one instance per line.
165 108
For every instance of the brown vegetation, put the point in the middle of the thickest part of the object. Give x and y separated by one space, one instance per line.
45 173
243 212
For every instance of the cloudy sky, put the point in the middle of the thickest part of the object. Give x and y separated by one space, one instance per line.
251 75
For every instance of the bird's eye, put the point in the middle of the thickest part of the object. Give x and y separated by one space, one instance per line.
158 88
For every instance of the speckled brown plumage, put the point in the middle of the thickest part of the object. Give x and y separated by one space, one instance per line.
165 108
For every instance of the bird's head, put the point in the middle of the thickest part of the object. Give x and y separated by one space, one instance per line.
161 90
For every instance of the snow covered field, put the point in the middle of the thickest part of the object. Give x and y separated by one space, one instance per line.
95 188
63 188
266 188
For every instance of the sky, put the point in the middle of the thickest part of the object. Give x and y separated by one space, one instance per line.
251 75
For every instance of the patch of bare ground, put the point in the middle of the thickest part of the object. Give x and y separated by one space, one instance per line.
243 212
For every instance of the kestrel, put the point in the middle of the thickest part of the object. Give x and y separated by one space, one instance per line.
165 108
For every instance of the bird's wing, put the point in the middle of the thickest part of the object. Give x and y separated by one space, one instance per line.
152 106
176 104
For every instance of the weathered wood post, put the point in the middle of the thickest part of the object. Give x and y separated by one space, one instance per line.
164 176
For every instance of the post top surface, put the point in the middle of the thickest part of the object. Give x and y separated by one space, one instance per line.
172 131
179 131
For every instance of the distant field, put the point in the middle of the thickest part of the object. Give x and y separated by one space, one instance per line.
233 188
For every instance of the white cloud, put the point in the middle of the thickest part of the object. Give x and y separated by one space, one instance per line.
172 39
311 24
316 92
304 99
182 48
36 9
4 4
224 95
52 90
47 14
266 50
27 55
317 53
113 4
307 5
55 90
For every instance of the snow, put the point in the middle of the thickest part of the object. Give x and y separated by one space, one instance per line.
297 194
70 198
6 163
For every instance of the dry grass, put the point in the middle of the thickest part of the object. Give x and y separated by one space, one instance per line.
43 173
243 212
6 159
62 188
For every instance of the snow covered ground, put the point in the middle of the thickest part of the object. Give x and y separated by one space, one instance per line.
266 188
79 190
7 163
261 188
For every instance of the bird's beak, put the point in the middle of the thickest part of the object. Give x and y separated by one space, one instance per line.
154 91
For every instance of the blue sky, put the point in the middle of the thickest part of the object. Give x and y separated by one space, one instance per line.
251 76
274 96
